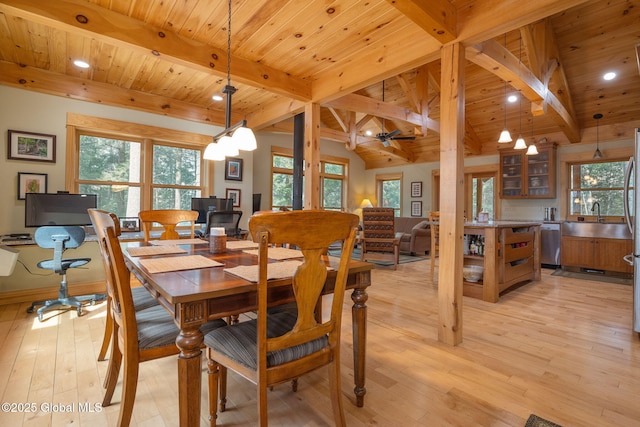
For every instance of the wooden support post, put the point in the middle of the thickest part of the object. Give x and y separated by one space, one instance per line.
312 156
451 200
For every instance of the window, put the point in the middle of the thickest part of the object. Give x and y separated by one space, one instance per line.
113 168
600 182
282 181
389 189
482 197
333 176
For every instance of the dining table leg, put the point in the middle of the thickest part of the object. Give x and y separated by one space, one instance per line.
189 342
359 324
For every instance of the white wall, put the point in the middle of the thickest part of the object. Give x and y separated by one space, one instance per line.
33 112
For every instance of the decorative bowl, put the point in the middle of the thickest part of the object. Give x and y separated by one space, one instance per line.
472 273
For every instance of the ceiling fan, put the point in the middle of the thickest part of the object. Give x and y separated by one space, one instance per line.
394 135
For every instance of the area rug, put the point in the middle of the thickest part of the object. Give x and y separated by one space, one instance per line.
536 421
356 255
592 276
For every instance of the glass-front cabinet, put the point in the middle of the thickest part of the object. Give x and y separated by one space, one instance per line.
526 176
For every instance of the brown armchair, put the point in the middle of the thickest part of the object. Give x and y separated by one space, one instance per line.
379 239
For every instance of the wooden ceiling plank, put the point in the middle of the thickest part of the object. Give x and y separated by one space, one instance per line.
480 20
436 18
494 58
30 78
341 120
147 39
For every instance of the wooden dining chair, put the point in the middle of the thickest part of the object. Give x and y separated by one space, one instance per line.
141 335
379 241
142 299
434 219
169 219
283 345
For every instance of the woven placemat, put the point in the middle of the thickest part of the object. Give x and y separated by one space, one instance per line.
155 250
237 245
278 253
176 263
179 242
275 270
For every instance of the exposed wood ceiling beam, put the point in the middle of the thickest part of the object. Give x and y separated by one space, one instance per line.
30 78
378 108
493 57
437 18
117 29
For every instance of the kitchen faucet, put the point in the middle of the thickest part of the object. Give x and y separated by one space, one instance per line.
593 207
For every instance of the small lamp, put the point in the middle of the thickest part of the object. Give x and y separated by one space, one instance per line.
597 154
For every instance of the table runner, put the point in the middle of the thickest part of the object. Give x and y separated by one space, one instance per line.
241 244
176 263
155 250
275 270
278 253
174 242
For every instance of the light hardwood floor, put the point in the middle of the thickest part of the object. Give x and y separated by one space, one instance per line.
560 348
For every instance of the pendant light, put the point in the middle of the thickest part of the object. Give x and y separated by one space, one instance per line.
238 136
520 144
505 136
532 150
597 154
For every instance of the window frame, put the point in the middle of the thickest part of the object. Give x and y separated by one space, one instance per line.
380 179
324 159
148 137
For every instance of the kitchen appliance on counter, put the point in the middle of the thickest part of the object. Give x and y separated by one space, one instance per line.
550 214
633 222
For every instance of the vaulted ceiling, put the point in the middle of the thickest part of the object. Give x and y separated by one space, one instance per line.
372 65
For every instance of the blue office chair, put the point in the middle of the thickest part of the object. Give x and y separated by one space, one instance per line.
61 238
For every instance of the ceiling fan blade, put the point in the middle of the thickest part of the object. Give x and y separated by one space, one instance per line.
393 133
404 138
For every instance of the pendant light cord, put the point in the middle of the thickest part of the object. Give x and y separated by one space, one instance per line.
229 46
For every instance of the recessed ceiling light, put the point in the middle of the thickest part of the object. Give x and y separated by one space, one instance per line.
609 76
217 97
368 132
80 63
512 98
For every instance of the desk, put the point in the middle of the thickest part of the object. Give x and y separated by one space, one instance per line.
195 296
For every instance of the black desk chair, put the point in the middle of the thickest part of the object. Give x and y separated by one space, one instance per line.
230 220
61 238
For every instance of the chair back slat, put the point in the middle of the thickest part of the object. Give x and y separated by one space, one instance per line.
311 231
101 220
168 219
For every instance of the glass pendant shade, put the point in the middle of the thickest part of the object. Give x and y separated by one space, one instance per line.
229 148
213 152
520 144
245 139
532 150
505 136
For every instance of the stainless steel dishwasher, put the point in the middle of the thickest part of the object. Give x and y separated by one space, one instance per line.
550 244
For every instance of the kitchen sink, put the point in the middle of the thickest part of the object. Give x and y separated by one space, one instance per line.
606 230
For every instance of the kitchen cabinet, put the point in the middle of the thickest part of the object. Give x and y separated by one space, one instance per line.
510 255
596 253
531 177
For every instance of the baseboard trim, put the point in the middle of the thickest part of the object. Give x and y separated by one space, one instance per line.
51 292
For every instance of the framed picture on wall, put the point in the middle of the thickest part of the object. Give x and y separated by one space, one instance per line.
416 189
416 208
130 224
234 194
38 147
233 169
31 183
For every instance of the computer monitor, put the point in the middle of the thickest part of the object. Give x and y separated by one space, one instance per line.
58 209
206 204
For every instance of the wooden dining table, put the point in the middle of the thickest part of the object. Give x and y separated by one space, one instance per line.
195 295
